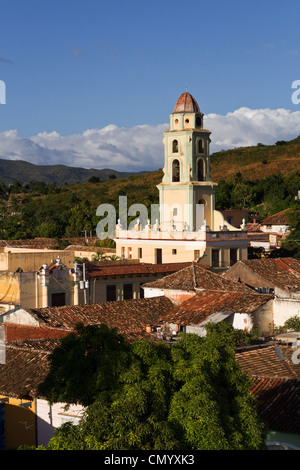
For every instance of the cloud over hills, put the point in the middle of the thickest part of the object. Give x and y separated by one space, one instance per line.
141 148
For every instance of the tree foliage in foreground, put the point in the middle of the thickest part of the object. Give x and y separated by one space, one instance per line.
149 396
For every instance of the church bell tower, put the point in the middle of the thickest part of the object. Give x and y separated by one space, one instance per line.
186 192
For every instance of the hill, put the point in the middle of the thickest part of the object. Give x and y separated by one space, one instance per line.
12 171
257 162
254 162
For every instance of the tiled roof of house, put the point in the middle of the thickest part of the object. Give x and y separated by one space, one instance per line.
197 309
275 385
253 227
130 317
278 403
194 278
48 243
282 272
271 361
19 332
24 370
133 269
281 218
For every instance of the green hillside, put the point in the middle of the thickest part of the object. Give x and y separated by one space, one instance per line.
265 179
257 162
254 162
12 171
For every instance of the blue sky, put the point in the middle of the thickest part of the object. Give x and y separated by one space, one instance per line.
71 66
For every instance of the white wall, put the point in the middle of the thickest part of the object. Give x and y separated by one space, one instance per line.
285 309
50 417
152 292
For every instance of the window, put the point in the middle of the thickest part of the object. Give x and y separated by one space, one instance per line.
111 293
140 252
200 170
200 146
175 146
128 291
174 251
175 171
198 121
175 211
58 299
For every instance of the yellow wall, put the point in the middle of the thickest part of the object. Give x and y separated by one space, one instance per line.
185 252
20 424
31 260
10 287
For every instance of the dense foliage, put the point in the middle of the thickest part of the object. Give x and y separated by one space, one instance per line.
266 196
150 396
51 211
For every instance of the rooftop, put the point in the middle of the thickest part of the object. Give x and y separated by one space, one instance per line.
137 268
24 370
130 317
281 272
196 277
281 218
275 385
199 308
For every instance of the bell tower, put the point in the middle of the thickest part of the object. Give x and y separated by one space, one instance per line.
186 192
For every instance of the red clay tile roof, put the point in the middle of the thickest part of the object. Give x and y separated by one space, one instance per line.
271 361
24 370
278 403
18 332
281 218
275 385
197 309
186 104
49 243
194 278
282 272
253 227
130 317
132 269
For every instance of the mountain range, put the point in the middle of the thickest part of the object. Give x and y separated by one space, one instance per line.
255 162
12 171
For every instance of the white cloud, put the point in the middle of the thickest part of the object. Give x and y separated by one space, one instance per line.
246 126
141 147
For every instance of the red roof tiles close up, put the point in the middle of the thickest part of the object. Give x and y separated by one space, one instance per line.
197 309
194 278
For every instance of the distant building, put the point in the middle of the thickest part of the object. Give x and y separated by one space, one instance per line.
201 296
187 228
46 282
270 232
277 223
278 276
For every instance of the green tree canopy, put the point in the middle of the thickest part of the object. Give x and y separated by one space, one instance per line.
152 396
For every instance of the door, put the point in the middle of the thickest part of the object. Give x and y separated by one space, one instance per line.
215 261
158 256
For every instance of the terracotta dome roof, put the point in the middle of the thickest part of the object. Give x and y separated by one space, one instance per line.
186 104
